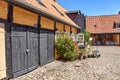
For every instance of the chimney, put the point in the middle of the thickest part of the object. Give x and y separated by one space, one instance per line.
55 0
119 12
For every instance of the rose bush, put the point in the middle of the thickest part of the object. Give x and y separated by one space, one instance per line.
67 48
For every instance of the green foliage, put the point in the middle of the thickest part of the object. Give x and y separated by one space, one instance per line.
87 37
66 47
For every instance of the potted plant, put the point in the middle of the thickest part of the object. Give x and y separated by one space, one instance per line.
82 54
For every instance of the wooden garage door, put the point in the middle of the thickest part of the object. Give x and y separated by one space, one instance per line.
24 49
43 47
50 46
2 52
46 46
33 48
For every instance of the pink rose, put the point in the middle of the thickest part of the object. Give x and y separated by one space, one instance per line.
66 44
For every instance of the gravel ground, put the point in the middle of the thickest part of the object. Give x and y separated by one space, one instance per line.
107 67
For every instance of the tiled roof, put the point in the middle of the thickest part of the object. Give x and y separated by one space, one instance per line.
49 8
102 24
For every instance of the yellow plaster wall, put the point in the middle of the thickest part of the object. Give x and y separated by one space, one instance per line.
57 56
47 23
116 38
74 30
24 17
2 52
67 28
59 26
3 9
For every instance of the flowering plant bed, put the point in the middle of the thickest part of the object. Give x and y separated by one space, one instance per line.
67 48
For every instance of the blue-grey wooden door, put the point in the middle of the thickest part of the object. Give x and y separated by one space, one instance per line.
50 46
19 57
46 46
43 47
24 43
33 48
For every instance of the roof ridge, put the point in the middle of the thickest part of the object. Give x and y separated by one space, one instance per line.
104 15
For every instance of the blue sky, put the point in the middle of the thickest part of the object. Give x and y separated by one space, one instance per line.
92 7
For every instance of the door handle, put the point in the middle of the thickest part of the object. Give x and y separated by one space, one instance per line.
27 50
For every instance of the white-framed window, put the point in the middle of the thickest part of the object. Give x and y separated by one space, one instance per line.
80 38
74 37
67 33
117 25
57 34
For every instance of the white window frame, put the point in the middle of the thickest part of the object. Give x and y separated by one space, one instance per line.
78 37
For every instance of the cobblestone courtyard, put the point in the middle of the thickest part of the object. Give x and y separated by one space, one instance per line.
107 67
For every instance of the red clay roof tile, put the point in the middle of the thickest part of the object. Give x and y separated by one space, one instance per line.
102 24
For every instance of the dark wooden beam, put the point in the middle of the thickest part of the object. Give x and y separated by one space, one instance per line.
77 31
2 20
55 29
8 41
64 28
10 13
70 30
39 26
119 39
54 36
39 21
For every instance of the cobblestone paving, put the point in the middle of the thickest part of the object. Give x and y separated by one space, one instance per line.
107 67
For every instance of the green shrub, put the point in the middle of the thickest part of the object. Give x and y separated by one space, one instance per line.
66 47
87 37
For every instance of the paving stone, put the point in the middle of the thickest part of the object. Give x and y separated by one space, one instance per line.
107 67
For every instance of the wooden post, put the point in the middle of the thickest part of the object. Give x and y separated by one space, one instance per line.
109 37
8 41
70 30
10 13
54 37
39 20
64 28
39 25
77 31
55 29
119 39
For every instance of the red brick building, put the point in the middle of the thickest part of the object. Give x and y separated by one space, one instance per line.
105 29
